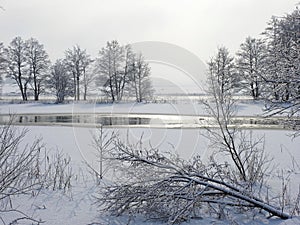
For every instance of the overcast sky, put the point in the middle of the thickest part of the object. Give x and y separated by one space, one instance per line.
196 25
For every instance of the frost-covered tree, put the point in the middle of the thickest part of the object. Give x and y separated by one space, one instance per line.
247 155
77 60
17 66
127 69
27 63
59 81
2 57
2 64
111 71
222 69
250 64
283 66
38 62
273 62
140 79
120 71
283 58
88 75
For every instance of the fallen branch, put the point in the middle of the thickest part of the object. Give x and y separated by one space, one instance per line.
172 189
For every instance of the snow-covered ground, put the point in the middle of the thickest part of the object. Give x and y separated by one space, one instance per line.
78 206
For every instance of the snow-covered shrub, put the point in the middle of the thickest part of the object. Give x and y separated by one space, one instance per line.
53 170
16 162
26 169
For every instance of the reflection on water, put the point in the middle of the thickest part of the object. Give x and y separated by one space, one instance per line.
80 119
140 120
111 121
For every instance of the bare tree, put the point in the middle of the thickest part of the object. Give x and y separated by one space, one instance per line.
250 65
2 64
111 70
17 67
88 75
222 68
120 71
38 62
102 142
248 156
140 79
2 57
59 81
77 61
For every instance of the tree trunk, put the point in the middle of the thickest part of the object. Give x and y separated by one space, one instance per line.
25 92
21 89
256 90
140 90
135 88
85 92
252 90
20 84
78 90
85 84
112 95
74 83
36 95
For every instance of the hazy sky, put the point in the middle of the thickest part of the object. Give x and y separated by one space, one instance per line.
196 25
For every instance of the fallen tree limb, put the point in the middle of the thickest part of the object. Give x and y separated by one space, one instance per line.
172 189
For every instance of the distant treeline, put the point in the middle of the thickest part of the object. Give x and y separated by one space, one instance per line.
117 71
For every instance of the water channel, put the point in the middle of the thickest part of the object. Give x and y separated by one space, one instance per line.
143 120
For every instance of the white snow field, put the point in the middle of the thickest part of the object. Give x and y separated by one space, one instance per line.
78 205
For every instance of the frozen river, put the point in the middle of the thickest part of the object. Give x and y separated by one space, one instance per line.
142 120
